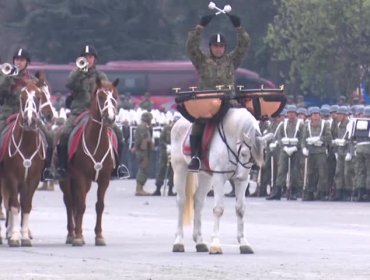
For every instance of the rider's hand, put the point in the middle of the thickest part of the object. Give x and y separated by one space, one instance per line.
235 20
205 20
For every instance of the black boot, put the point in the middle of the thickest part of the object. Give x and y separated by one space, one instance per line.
157 192
361 195
62 151
195 142
47 174
338 196
170 191
120 171
275 194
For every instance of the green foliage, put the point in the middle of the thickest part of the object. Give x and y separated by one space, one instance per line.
323 42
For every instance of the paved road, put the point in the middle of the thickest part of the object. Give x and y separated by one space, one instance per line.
291 240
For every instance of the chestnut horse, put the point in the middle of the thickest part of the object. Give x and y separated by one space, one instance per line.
23 158
93 160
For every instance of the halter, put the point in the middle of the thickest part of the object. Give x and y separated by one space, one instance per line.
45 90
30 108
109 104
234 158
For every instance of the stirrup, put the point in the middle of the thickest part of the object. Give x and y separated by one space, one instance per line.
47 175
122 172
194 164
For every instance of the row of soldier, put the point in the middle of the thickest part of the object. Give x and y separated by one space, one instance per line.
318 154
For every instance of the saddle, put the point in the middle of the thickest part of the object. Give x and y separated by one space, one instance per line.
208 133
76 135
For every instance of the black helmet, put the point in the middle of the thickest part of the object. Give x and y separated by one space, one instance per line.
217 39
89 49
23 54
146 117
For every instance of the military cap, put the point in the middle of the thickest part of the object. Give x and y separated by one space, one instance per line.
313 110
291 108
343 110
146 116
334 108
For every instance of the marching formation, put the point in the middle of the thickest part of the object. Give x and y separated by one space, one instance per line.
318 154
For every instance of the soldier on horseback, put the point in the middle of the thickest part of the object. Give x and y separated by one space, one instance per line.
81 82
214 69
12 80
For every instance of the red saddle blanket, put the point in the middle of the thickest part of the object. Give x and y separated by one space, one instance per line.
206 140
77 132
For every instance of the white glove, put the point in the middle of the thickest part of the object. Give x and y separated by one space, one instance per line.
293 150
168 149
272 145
285 141
305 152
348 157
286 150
340 142
318 143
294 141
310 140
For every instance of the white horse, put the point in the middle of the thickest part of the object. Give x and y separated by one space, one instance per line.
236 140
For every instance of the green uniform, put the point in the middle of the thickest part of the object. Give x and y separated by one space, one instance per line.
143 148
289 136
316 138
164 142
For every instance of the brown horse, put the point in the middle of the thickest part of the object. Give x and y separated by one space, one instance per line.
23 159
93 160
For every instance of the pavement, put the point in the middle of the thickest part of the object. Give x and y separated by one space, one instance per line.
291 240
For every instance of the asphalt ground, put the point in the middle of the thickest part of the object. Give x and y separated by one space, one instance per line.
291 240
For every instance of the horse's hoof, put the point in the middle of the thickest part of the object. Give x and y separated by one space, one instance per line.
69 239
178 248
215 250
201 248
100 241
78 242
245 249
14 243
26 243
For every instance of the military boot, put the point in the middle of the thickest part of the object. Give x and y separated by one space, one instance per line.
361 195
338 195
47 174
275 194
157 192
195 142
307 196
140 190
120 171
170 191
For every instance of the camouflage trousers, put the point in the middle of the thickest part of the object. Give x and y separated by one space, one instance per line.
281 179
362 166
165 170
343 178
143 160
317 173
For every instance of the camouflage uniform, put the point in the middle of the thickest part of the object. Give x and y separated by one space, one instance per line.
164 164
143 147
213 71
316 138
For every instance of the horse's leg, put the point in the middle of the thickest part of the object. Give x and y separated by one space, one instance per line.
26 196
65 186
240 188
179 179
80 186
99 207
199 198
13 212
218 181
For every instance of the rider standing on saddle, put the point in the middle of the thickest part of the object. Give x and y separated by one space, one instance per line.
214 69
81 83
10 88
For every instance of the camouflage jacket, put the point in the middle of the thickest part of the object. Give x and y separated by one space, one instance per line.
341 133
320 130
290 133
165 138
214 71
81 85
143 138
10 88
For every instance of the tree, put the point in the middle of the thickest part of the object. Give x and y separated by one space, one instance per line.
323 43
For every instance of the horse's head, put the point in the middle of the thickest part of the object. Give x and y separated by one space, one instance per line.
30 99
46 107
104 101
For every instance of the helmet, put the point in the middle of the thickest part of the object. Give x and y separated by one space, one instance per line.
217 39
146 117
334 108
325 110
343 110
22 53
313 110
367 111
291 108
89 49
302 110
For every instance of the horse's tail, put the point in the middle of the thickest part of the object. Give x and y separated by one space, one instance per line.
191 182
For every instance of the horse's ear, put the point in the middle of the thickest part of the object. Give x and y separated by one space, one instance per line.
116 82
